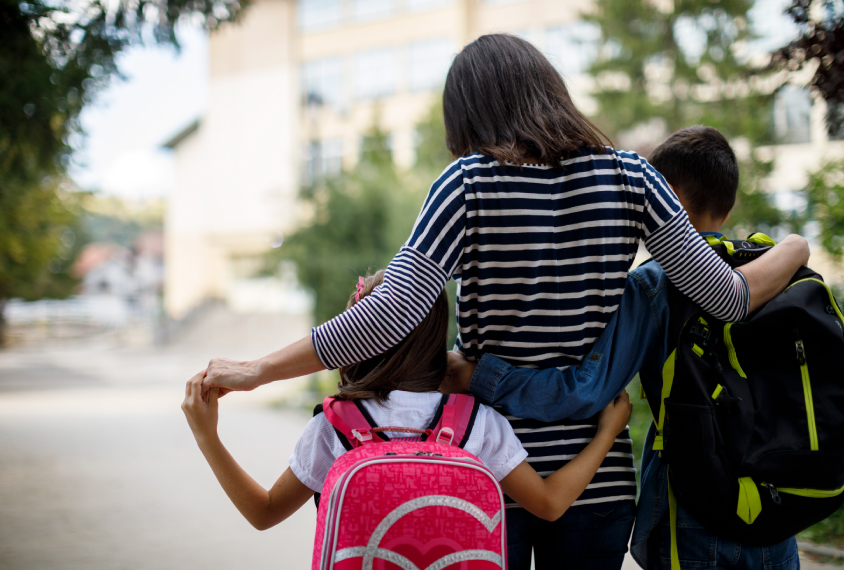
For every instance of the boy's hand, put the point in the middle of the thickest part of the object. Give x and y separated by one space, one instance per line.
459 375
614 417
202 416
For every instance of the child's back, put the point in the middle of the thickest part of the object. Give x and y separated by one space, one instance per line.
491 440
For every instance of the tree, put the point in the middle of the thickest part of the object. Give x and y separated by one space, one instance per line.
670 65
821 43
361 218
54 57
825 196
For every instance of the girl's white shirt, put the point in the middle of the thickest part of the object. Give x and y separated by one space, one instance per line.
492 439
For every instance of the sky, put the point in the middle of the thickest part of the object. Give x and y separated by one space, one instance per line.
164 91
129 120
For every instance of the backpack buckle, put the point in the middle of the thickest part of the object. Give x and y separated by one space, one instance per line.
700 330
365 435
448 432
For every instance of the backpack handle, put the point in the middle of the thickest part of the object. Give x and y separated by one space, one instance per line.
455 421
347 419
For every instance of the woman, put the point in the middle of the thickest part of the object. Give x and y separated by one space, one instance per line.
539 222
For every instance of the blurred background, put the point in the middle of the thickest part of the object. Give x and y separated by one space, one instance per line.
181 180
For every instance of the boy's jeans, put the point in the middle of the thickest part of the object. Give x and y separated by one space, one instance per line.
700 549
588 537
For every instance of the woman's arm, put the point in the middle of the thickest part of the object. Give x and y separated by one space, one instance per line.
551 497
768 275
694 268
263 509
412 282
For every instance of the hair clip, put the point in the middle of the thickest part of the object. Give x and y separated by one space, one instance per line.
359 286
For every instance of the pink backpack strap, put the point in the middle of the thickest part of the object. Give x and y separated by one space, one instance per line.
350 422
456 420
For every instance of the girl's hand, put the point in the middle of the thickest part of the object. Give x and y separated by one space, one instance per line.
202 416
614 417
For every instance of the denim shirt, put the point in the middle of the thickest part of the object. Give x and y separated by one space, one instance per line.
634 340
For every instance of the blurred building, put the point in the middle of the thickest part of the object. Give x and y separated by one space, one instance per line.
295 87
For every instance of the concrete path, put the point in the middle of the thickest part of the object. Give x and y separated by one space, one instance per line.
98 469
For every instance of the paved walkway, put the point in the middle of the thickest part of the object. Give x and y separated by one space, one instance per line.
98 469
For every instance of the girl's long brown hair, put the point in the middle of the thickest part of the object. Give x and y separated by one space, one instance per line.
504 99
416 364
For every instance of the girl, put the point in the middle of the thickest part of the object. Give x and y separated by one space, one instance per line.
399 388
538 219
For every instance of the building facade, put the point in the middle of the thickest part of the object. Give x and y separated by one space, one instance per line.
296 85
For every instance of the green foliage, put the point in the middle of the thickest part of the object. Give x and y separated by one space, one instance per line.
821 42
40 235
825 204
113 220
360 219
645 74
54 56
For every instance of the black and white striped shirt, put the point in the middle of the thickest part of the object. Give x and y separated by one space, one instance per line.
541 255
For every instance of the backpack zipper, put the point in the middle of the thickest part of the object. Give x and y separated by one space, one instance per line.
807 394
811 493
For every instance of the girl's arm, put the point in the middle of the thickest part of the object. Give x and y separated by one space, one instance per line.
549 498
262 508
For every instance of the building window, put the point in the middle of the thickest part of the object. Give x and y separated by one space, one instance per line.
375 73
428 63
573 47
323 159
792 111
419 5
318 14
322 82
365 10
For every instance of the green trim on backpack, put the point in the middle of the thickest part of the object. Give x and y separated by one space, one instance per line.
828 290
811 493
761 238
807 396
749 501
667 381
731 350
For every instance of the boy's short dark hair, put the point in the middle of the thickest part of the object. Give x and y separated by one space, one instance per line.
698 162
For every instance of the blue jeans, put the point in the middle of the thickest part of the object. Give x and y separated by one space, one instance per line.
588 537
698 548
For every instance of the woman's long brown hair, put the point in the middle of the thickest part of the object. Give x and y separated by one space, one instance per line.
504 99
416 364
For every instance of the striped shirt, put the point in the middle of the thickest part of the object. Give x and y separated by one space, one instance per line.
541 255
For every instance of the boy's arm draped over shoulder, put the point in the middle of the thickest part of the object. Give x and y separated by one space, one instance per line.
691 265
578 391
413 280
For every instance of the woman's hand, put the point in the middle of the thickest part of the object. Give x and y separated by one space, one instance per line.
229 375
614 417
202 416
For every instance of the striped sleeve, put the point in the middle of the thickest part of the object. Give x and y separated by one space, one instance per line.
691 265
412 281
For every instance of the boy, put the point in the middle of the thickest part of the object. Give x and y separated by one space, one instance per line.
703 171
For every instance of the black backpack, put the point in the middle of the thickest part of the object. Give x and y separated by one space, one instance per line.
751 416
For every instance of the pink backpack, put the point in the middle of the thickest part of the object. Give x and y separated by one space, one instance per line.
418 502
